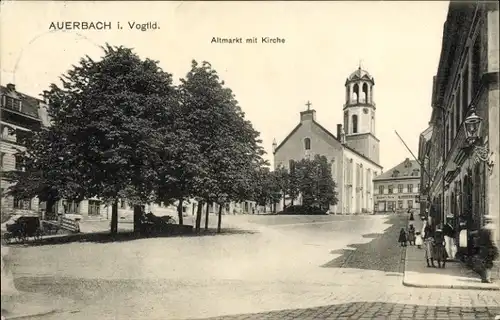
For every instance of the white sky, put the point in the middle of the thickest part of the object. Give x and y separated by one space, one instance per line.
398 42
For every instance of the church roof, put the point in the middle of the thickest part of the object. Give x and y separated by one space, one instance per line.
408 169
360 74
331 135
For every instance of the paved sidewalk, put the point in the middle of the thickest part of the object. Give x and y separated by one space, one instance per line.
454 276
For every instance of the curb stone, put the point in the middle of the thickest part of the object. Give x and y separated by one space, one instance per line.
29 315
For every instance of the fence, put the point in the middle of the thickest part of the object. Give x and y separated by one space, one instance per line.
70 225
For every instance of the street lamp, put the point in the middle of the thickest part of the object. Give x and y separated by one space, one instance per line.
473 124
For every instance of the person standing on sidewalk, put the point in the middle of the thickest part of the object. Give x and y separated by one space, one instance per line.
439 251
402 237
449 239
428 241
411 235
488 250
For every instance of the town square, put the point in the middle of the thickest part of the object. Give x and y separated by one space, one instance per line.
347 171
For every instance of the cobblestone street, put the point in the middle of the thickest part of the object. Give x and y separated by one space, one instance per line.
288 268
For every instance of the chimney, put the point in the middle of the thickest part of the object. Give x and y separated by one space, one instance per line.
274 145
46 97
11 87
339 131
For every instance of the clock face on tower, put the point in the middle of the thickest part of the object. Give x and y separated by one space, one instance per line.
365 110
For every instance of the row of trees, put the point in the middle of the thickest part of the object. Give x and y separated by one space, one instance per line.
120 129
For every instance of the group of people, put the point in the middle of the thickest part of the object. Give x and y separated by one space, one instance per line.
434 242
439 244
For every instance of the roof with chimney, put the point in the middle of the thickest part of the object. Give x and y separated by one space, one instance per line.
408 169
29 104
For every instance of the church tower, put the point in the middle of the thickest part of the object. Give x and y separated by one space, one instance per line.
359 114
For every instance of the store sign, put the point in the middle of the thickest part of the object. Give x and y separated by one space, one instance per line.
387 197
392 197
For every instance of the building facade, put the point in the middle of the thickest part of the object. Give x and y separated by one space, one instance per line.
465 179
353 154
398 189
20 114
424 147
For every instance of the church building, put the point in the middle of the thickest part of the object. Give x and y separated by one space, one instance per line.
353 152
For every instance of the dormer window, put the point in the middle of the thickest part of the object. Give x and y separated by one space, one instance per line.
395 173
13 104
307 144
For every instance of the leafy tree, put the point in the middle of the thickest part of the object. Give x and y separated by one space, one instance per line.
315 182
46 148
282 179
228 146
108 129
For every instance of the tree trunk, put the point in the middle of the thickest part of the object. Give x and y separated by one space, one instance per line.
137 218
49 207
284 199
179 212
219 219
198 215
206 217
114 218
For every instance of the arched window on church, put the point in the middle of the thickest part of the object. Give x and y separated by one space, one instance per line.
346 122
355 93
354 123
364 94
307 144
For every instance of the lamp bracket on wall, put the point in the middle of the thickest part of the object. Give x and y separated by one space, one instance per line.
483 154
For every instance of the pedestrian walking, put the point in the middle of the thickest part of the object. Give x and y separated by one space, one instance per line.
488 250
402 237
439 251
411 235
449 239
411 215
418 240
428 241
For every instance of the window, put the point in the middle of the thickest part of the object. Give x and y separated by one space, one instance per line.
391 189
381 190
94 207
346 122
418 188
22 204
410 204
71 207
410 188
354 123
400 204
451 120
184 209
22 136
2 154
122 204
307 144
400 188
475 70
12 103
465 97
19 162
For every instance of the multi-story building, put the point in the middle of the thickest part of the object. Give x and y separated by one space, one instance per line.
424 147
20 114
397 189
465 186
